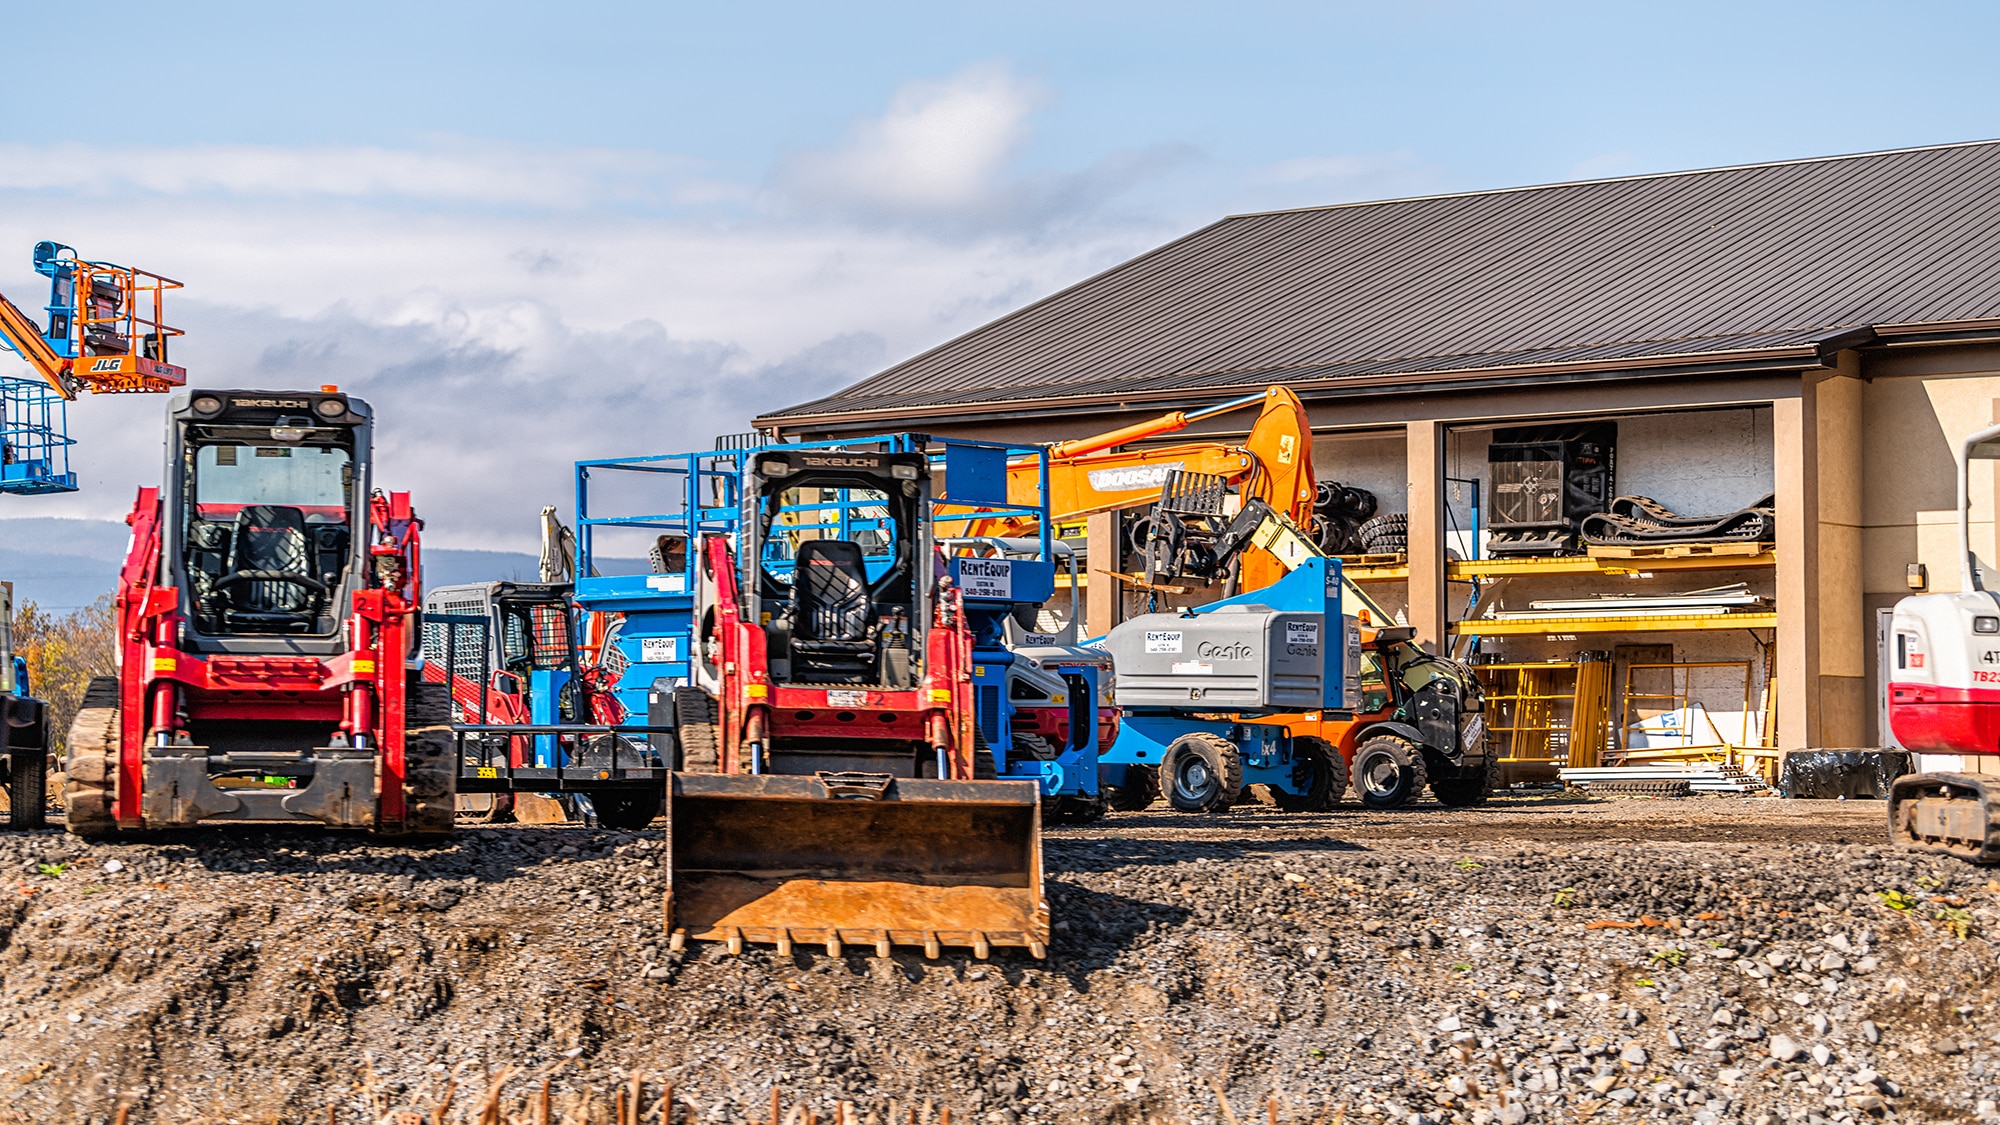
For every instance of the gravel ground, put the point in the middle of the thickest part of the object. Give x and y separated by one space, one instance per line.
1541 959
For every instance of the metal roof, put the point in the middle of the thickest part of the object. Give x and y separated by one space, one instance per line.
1759 262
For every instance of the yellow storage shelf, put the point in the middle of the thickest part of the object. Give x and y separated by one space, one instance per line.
1569 625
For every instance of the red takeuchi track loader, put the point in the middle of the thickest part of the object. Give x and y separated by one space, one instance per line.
266 621
848 806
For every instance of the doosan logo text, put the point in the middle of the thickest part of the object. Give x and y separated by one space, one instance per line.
1124 480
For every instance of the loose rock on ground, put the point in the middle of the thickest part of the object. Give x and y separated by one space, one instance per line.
1540 959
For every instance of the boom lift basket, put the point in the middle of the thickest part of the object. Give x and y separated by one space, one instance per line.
854 859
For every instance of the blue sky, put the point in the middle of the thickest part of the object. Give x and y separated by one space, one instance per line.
533 233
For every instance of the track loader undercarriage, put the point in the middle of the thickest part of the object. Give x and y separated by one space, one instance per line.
1957 814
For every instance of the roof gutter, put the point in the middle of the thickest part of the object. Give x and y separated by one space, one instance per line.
1957 332
1792 358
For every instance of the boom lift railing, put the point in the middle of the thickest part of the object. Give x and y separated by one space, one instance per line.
106 333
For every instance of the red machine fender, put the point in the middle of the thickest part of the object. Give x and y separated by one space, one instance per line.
746 694
947 682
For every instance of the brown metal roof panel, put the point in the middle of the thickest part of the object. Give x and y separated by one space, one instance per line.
1706 253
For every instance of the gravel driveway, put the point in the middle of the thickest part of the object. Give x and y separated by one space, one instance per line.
1540 959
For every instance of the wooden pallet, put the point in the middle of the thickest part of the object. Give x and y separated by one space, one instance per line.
1387 558
1679 550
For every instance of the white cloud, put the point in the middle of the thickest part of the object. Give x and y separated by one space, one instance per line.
940 146
943 158
500 345
509 310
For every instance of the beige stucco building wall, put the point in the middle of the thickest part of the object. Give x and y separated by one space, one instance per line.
1858 453
1915 407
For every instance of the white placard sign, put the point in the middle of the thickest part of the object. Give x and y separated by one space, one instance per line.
659 650
986 578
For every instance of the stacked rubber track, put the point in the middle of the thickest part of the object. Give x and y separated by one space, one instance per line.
1641 520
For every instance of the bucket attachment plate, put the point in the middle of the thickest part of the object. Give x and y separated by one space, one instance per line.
836 860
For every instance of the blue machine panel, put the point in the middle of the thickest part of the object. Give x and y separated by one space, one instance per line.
975 474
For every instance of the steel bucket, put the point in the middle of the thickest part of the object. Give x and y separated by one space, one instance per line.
854 859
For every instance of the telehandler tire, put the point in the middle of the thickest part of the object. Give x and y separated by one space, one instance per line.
28 788
1469 789
1326 777
1202 772
1073 810
1141 789
1388 772
93 749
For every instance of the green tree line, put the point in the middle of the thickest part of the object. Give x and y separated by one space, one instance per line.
63 652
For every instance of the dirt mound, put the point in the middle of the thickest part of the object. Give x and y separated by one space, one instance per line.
1442 967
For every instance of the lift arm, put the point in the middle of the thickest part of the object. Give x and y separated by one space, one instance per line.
1091 475
20 334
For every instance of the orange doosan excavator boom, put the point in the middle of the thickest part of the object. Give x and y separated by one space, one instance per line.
1096 474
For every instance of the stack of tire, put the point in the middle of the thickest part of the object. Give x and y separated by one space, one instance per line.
1340 512
1386 534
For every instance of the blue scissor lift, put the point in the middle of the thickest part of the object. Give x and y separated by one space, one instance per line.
656 634
34 438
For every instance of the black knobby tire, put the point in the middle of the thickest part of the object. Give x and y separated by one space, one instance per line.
1320 776
1141 789
1387 533
89 767
700 742
28 788
628 810
1388 772
1470 788
430 770
1072 809
1202 772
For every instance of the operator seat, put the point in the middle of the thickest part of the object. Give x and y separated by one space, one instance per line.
270 538
833 626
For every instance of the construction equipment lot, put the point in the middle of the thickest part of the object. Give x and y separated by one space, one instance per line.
1542 958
